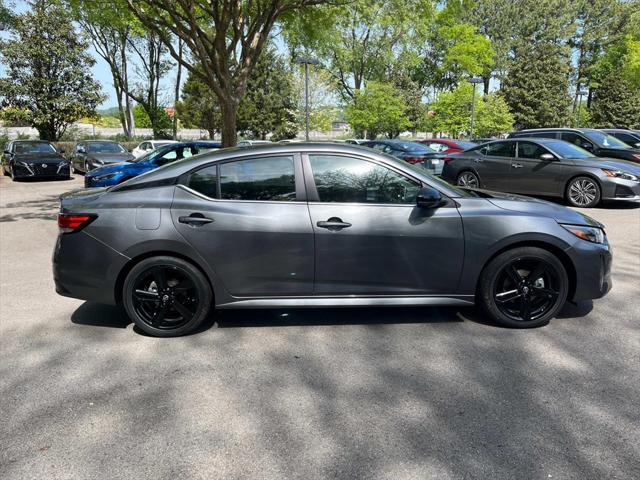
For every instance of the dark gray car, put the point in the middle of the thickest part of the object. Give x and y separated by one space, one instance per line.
92 154
319 225
554 168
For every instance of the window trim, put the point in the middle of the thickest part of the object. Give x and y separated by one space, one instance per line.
297 171
312 190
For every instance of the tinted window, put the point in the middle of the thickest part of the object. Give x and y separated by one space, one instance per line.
568 150
176 154
540 135
573 138
530 150
350 180
34 147
500 149
105 147
205 181
270 178
437 147
605 140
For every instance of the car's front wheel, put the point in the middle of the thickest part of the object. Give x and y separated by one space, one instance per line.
583 192
166 296
468 179
524 287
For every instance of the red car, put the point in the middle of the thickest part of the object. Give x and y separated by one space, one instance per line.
447 145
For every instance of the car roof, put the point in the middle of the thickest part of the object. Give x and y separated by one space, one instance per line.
31 141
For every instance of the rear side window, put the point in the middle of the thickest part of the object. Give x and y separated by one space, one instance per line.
205 181
530 150
574 138
270 178
500 149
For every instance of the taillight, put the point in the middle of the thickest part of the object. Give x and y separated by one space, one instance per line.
71 222
636 156
411 159
447 159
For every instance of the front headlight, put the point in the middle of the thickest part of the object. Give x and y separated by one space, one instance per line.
590 234
105 177
621 174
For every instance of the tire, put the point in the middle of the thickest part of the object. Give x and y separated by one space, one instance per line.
505 289
12 174
468 179
72 169
86 167
4 171
583 192
159 290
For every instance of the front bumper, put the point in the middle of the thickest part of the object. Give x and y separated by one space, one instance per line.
41 170
592 263
620 189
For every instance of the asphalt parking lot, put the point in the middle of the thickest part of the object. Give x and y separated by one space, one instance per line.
364 393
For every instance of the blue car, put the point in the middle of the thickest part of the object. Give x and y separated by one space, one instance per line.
119 172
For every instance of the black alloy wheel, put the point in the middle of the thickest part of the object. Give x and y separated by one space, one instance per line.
524 287
166 296
468 179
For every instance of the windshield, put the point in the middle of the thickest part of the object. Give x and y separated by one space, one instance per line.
567 150
105 147
437 180
605 140
34 147
158 152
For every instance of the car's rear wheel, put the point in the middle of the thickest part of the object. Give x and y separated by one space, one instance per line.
468 179
166 296
524 287
583 192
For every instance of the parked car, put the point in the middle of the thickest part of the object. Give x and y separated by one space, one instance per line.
549 167
630 137
245 228
248 143
119 172
149 145
601 144
92 154
447 145
410 152
34 159
356 141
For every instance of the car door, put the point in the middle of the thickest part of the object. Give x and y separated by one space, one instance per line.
493 163
533 175
79 156
371 238
249 221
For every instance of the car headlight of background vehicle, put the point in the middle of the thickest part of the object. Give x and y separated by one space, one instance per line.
590 234
621 174
106 176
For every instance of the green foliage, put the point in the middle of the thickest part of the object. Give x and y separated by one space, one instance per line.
492 116
6 16
536 87
616 103
199 107
48 70
142 120
379 108
268 105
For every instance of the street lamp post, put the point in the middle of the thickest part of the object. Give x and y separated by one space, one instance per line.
475 81
580 94
306 61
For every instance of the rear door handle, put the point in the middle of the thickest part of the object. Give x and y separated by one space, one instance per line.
195 219
516 165
333 224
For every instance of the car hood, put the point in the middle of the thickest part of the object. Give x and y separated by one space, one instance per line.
114 168
520 203
39 158
611 164
111 157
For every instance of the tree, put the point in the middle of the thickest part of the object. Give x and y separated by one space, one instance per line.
199 107
269 103
537 85
225 37
379 108
616 103
492 116
47 69
6 17
163 121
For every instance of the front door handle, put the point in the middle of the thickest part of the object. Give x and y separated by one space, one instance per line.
334 224
516 165
195 219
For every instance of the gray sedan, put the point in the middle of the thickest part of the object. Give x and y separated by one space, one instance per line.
547 167
318 225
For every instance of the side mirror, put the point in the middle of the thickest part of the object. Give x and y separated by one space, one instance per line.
429 197
637 145
547 157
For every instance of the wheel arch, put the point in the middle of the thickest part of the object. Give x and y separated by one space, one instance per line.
577 175
551 248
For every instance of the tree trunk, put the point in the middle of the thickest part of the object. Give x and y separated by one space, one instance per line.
229 110
486 80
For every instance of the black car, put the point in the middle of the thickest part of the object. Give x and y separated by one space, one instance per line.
319 225
547 167
410 152
599 143
630 137
34 159
92 154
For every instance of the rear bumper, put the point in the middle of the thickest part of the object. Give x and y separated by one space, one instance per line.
85 268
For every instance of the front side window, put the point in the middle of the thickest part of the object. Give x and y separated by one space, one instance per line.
269 179
350 180
501 149
530 150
